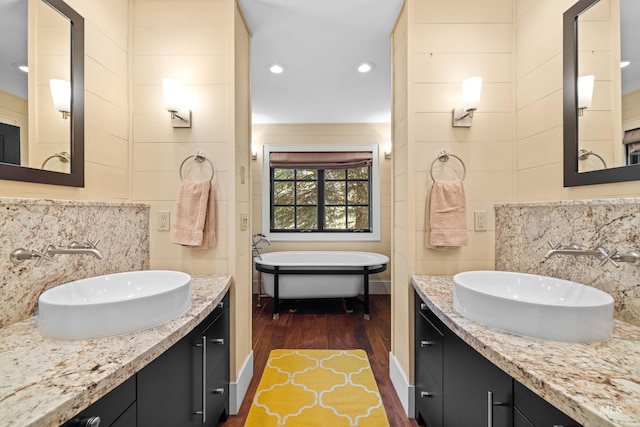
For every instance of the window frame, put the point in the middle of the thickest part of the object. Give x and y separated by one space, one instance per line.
373 235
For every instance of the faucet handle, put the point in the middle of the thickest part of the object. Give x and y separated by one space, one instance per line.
553 246
608 257
44 254
84 245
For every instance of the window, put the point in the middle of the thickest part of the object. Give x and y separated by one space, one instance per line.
307 197
631 143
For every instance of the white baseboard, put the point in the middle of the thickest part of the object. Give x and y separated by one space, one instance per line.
238 389
404 390
376 287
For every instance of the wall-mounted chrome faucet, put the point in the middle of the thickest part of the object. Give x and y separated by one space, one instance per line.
19 255
255 244
632 257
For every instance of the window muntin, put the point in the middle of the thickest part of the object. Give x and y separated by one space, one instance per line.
333 236
321 200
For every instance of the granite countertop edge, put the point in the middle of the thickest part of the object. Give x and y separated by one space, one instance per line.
594 383
45 382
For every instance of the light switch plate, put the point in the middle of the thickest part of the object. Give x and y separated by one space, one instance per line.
244 221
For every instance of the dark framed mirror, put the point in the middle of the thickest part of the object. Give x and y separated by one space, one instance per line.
573 152
72 68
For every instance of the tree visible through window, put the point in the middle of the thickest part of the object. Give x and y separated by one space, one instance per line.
321 200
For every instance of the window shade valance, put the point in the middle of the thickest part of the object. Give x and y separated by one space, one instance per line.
320 160
631 136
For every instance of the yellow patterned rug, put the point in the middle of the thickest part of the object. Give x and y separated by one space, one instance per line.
320 388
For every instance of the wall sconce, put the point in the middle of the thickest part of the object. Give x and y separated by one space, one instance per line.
254 152
387 151
585 93
174 103
471 88
61 94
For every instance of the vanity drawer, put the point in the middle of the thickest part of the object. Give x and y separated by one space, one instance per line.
429 400
111 406
429 348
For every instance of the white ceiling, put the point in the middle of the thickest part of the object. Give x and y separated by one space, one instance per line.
321 42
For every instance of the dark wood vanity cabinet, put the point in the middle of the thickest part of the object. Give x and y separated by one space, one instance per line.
115 409
187 385
533 411
457 386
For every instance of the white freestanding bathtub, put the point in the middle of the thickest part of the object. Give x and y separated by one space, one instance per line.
318 274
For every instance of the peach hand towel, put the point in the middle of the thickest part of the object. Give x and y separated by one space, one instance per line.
447 215
194 221
209 231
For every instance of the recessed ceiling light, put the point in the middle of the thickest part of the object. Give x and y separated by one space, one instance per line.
277 69
624 63
365 67
21 67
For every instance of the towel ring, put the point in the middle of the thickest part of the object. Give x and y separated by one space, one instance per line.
63 156
443 156
199 157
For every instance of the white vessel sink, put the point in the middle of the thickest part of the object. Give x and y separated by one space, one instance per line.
534 306
113 304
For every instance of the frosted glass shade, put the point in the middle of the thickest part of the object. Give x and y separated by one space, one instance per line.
172 94
471 89
61 94
585 91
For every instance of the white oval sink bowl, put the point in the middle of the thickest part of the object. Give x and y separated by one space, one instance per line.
113 304
534 306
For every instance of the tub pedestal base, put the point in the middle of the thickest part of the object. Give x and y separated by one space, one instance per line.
277 272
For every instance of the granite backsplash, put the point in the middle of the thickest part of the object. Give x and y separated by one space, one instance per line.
523 231
122 230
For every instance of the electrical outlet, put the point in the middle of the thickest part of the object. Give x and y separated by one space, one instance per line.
164 221
480 221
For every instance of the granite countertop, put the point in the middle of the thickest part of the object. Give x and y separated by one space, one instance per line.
45 382
597 384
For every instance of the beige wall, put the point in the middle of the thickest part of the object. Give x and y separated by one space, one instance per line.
326 134
539 108
50 49
631 110
598 55
15 111
106 108
205 45
403 210
444 44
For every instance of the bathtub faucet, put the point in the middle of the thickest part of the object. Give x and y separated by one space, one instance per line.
255 243
603 255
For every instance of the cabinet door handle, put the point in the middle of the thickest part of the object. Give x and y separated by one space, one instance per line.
423 306
219 341
204 379
426 394
86 422
221 304
490 405
426 343
217 391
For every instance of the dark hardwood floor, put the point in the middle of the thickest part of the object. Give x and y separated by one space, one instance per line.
323 324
